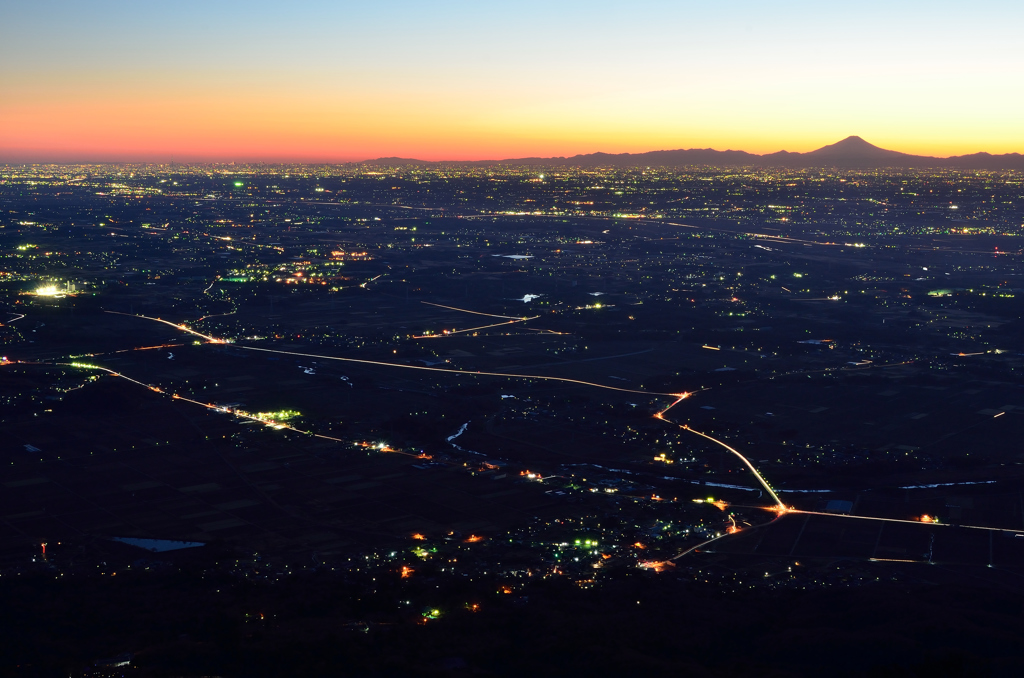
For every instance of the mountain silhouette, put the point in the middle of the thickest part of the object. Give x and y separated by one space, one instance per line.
851 153
853 150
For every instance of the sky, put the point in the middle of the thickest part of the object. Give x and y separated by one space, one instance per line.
226 80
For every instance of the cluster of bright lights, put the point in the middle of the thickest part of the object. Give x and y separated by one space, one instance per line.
720 504
283 415
48 291
656 565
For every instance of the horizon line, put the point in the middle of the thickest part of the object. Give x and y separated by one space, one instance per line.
228 160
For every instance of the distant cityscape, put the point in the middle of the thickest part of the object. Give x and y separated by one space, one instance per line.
391 398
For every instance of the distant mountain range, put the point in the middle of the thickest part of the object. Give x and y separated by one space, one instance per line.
850 153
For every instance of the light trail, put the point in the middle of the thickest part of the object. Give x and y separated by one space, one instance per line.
757 474
130 350
215 315
537 329
87 366
183 328
661 414
448 333
215 340
886 520
241 242
721 536
490 315
904 520
694 548
123 350
145 348
784 511
786 239
224 410
780 507
463 372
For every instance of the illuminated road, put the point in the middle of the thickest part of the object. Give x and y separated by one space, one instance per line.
183 328
126 350
779 508
215 340
900 520
721 536
228 238
489 315
448 333
464 372
780 511
700 545
234 309
509 320
235 413
757 474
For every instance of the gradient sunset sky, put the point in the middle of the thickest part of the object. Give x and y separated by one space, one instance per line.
340 81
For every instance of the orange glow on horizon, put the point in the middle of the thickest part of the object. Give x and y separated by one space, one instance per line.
489 81
203 127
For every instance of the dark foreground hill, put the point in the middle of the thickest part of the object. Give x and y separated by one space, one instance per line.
177 625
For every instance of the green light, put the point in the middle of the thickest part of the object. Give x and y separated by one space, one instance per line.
283 415
86 366
239 184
